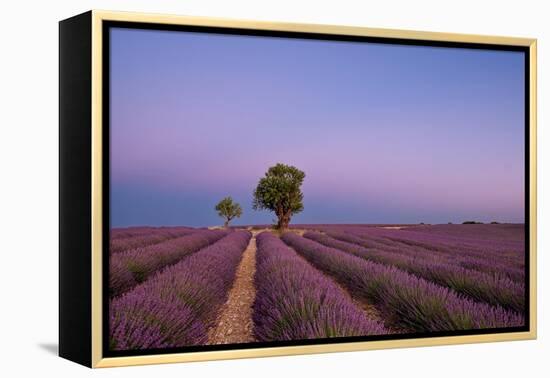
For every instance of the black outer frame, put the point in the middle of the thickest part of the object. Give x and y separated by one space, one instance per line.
75 184
75 189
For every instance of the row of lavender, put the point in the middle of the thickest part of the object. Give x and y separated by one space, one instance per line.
500 258
126 239
503 245
177 306
295 301
498 243
137 231
406 301
494 289
127 269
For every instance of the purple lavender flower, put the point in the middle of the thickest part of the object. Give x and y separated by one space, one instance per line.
127 269
295 301
491 288
177 306
144 238
406 300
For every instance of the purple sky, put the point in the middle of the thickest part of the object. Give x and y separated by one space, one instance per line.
385 133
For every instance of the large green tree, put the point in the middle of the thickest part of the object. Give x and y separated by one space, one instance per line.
280 191
228 209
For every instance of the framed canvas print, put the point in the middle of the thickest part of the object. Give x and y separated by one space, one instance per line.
235 189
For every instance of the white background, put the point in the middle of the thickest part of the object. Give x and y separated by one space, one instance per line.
29 186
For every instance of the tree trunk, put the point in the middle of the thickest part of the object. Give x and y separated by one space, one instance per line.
284 220
226 223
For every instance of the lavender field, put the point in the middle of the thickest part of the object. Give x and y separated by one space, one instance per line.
183 286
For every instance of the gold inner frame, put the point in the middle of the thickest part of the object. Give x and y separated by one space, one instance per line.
97 214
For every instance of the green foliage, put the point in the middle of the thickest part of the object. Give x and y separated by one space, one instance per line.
228 210
280 191
472 222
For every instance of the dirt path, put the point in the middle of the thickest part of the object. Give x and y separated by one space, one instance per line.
234 323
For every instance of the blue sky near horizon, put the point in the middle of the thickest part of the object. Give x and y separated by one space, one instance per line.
384 133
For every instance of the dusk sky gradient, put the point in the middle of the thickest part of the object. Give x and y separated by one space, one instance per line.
384 133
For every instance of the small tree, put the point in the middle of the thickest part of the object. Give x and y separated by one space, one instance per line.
279 191
228 210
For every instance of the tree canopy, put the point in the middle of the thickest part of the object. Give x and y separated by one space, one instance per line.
280 191
228 209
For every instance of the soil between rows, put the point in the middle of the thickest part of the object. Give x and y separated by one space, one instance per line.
234 322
